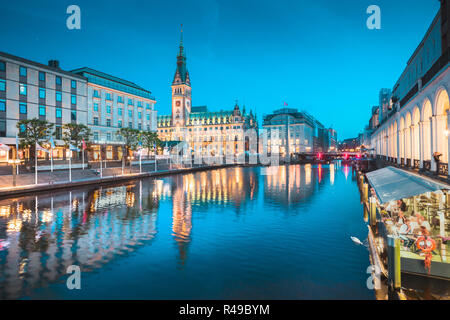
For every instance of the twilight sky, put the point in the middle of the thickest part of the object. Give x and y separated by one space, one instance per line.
316 55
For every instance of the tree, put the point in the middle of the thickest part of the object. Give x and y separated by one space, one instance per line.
149 139
75 133
32 132
130 138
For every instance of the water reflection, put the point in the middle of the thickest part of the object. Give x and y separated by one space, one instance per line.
40 236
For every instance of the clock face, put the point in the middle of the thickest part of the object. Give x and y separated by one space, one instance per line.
178 103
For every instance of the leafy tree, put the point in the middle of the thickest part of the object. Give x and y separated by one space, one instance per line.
130 138
32 132
149 139
74 134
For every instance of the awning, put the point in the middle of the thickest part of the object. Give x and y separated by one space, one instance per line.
394 184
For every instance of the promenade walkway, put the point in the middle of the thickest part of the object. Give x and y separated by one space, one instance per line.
25 183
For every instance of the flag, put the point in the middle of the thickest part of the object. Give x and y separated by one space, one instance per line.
4 147
39 148
17 142
285 104
73 148
84 145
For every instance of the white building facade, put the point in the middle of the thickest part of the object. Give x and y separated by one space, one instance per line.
417 126
288 131
114 103
30 90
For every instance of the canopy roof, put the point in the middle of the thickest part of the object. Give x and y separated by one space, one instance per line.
394 184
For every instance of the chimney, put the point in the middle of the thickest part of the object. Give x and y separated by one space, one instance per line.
54 64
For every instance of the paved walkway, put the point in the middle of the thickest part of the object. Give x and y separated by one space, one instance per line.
25 182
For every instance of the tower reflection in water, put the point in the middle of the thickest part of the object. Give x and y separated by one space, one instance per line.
41 236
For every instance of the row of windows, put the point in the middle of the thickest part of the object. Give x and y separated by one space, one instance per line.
42 93
119 123
23 109
120 111
23 72
204 129
109 135
120 99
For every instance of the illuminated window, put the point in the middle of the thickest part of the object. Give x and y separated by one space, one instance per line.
23 108
42 111
42 93
23 89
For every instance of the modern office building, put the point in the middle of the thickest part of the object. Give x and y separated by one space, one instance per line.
332 141
289 131
205 132
114 103
31 90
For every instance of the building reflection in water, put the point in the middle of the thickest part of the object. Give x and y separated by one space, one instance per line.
291 184
198 191
41 236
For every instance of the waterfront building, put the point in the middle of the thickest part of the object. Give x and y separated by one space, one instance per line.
114 103
375 118
385 105
331 138
31 90
291 131
417 127
350 145
205 132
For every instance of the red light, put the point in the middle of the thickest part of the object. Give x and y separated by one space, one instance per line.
319 156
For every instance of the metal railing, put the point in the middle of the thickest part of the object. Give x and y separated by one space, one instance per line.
427 165
416 164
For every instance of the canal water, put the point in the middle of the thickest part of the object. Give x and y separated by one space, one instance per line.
235 233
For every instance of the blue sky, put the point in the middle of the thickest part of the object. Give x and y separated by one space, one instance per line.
316 55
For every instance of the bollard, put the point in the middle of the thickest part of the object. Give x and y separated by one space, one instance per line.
394 262
372 211
365 192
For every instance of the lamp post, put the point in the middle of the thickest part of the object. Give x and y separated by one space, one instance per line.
130 158
14 163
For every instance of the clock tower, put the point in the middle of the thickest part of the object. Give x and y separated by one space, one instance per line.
181 90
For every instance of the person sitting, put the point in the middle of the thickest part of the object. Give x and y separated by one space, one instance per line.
401 219
402 205
404 233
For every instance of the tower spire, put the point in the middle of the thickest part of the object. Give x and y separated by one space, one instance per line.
181 74
181 42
